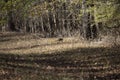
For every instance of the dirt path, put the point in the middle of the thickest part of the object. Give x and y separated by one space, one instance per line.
83 63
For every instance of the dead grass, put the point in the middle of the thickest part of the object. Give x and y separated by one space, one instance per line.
26 44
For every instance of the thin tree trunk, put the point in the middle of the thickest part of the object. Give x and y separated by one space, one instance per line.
84 24
41 20
49 24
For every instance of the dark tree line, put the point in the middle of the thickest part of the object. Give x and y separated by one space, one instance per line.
52 18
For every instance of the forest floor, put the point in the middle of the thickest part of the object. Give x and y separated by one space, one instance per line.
28 57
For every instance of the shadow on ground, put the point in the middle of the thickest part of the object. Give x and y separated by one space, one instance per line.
78 64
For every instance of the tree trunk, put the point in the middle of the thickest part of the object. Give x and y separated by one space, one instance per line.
11 24
85 19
